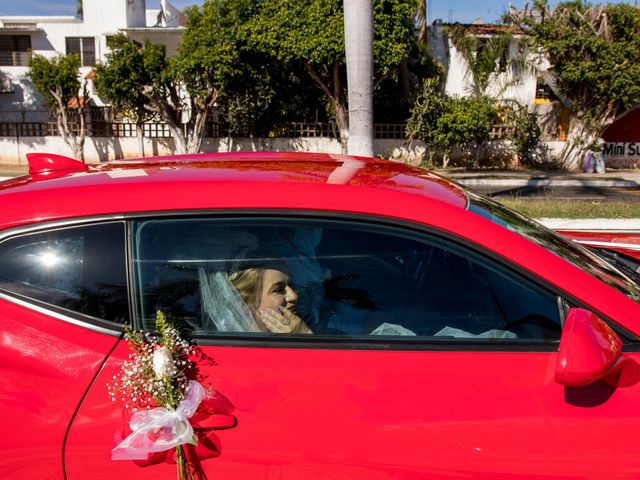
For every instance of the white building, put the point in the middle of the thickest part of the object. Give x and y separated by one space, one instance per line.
87 36
519 86
530 86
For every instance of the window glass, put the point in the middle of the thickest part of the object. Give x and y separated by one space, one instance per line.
81 269
84 47
14 50
330 278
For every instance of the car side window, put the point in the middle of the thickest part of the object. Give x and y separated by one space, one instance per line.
331 278
82 269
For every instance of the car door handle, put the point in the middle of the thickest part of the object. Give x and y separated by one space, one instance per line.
216 421
214 413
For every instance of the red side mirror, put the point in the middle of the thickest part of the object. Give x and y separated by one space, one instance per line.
588 349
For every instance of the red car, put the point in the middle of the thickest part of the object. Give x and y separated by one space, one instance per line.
439 335
624 245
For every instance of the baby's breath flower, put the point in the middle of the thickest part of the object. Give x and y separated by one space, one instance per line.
137 384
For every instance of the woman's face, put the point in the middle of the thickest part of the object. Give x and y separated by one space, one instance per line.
276 292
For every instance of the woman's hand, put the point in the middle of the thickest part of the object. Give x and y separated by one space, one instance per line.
283 321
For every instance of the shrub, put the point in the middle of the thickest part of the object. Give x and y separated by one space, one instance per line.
526 136
449 123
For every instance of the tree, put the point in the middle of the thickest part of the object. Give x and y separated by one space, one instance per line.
183 90
311 33
450 123
358 33
207 62
594 53
308 32
266 94
121 81
57 79
264 91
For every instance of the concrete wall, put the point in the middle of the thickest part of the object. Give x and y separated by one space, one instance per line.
97 149
24 96
136 14
517 84
12 151
160 37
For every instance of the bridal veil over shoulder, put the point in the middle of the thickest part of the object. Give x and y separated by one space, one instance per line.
222 306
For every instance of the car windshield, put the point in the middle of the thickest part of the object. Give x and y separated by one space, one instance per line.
555 243
628 265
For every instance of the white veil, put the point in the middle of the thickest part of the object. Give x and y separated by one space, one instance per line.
222 306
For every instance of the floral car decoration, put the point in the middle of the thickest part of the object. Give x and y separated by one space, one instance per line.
158 387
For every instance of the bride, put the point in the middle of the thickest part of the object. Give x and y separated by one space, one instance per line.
254 296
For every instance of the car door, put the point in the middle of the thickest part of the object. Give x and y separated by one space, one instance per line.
61 311
428 357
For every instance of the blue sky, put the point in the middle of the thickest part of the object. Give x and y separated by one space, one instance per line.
464 11
66 7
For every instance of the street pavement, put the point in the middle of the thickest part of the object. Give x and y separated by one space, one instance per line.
614 185
618 185
592 224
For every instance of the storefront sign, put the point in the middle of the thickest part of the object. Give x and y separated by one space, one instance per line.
621 149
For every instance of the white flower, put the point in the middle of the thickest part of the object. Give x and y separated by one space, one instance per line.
163 364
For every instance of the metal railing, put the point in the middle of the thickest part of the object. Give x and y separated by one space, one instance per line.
102 128
27 129
301 129
389 130
156 130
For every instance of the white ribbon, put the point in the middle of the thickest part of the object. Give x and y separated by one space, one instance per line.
161 429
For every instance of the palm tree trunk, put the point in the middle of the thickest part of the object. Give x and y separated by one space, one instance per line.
358 39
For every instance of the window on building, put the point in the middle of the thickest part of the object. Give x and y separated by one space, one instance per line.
85 47
15 50
544 91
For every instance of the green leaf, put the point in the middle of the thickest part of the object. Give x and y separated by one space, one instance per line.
57 74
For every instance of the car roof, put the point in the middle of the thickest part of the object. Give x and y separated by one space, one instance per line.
78 182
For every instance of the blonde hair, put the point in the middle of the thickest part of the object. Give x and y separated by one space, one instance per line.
248 282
